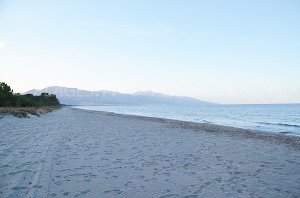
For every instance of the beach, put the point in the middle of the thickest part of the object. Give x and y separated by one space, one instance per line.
81 153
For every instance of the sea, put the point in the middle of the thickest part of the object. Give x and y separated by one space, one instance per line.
277 118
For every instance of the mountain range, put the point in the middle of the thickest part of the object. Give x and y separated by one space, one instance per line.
74 96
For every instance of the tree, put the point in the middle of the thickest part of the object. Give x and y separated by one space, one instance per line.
6 95
5 89
44 94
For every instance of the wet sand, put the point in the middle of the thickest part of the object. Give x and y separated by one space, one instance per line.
79 153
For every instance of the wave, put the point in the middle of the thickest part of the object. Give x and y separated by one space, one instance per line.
279 124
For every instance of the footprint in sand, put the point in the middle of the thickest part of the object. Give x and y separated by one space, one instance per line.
66 193
169 195
82 193
19 188
113 192
190 196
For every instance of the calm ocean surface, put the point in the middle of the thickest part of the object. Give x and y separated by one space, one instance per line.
273 118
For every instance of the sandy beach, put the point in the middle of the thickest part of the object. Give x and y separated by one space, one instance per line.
80 153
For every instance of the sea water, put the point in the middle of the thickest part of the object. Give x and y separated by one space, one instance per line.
279 118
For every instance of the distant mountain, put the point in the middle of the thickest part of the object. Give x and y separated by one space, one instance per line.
73 96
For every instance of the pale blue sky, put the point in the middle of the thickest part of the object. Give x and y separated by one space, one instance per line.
220 51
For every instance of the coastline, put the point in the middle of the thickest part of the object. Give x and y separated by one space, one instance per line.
281 119
212 128
82 153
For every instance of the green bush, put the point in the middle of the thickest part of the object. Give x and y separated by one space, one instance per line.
24 101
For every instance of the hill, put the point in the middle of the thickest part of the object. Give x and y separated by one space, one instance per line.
74 96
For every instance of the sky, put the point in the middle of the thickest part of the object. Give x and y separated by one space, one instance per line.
229 52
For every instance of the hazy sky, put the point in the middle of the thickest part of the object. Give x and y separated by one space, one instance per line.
220 51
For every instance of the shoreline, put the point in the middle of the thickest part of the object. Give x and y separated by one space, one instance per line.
212 128
280 119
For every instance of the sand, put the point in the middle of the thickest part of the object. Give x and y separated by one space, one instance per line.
79 153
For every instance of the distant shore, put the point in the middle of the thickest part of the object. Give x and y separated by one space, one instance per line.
82 153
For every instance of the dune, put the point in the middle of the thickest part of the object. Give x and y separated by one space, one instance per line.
80 153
